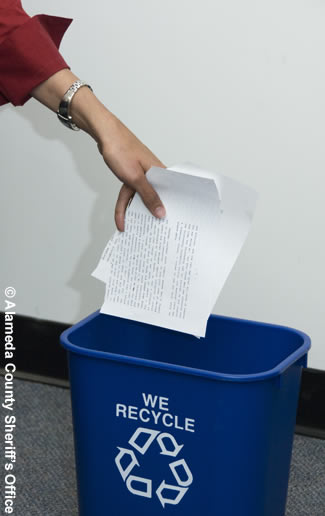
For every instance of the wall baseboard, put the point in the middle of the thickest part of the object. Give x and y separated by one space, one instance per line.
311 407
39 357
38 351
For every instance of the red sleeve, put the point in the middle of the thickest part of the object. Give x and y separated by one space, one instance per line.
28 50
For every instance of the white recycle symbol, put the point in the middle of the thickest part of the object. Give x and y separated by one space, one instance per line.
182 485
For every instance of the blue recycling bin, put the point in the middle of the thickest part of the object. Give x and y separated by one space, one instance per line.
165 423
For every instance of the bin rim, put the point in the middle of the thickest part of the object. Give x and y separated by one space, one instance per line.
167 366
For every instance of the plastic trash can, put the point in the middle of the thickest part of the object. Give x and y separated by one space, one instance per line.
165 423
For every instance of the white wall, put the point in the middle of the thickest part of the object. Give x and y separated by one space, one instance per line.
237 87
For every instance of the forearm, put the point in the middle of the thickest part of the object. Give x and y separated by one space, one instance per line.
86 110
126 156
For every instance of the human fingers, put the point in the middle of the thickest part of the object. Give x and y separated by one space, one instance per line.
126 193
149 196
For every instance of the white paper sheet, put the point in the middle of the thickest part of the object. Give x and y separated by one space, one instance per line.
169 272
238 203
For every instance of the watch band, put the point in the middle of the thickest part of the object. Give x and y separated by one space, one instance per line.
64 108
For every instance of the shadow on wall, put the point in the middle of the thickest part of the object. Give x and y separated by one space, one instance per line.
101 222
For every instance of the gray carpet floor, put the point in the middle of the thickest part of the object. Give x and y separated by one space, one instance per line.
46 483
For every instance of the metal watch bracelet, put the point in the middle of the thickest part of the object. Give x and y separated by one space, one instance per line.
64 108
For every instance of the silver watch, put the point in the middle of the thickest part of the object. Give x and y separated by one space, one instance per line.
64 108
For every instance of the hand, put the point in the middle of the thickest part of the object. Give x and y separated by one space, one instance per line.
129 159
124 154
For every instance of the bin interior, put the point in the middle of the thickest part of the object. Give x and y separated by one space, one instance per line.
231 346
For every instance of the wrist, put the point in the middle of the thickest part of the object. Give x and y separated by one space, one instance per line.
90 115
